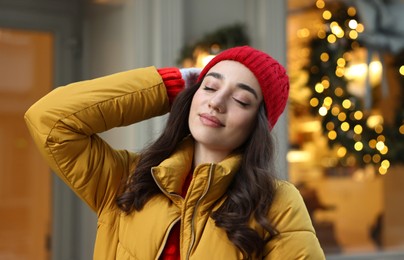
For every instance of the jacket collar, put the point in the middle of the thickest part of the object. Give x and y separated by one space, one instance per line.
170 175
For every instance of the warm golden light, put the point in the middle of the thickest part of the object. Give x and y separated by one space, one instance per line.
327 101
337 30
340 72
358 129
381 138
319 88
295 156
346 103
303 33
401 70
341 152
374 120
338 91
358 115
358 146
385 164
335 111
356 71
380 145
311 126
353 34
360 71
332 135
376 68
314 102
379 129
351 11
342 116
372 143
324 57
341 62
320 4
330 126
345 126
382 170
401 129
327 15
206 59
360 28
331 38
199 55
326 83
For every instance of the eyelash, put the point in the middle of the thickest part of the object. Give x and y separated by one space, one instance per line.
243 104
208 88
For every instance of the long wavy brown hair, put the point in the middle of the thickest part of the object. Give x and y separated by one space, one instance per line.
249 196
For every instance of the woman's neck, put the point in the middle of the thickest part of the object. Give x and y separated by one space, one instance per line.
203 154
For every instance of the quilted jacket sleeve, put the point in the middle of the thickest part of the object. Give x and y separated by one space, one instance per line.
64 125
297 238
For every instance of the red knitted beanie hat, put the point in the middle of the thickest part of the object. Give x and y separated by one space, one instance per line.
270 74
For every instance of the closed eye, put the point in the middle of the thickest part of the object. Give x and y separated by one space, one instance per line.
208 88
243 104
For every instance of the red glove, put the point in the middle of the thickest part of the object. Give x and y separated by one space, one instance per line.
176 79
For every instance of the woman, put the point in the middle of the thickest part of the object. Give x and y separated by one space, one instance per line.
206 188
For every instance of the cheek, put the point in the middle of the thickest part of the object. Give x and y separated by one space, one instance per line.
192 111
194 104
195 99
244 123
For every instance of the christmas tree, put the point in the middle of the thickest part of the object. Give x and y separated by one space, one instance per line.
360 132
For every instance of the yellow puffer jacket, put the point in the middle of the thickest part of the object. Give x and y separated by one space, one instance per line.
64 125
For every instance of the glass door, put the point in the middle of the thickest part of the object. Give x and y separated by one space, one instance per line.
26 74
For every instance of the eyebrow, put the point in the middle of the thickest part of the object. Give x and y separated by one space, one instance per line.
239 85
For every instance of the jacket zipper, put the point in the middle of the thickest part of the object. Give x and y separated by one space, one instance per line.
164 191
172 224
195 208
163 244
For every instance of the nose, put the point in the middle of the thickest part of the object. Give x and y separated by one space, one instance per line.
217 103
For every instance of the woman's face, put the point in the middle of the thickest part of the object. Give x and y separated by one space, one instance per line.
224 108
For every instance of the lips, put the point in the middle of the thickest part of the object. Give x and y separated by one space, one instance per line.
210 120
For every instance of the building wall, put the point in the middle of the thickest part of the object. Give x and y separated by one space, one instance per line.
204 16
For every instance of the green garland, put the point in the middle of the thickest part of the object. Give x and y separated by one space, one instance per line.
224 37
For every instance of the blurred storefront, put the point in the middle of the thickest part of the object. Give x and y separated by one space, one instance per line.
346 122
